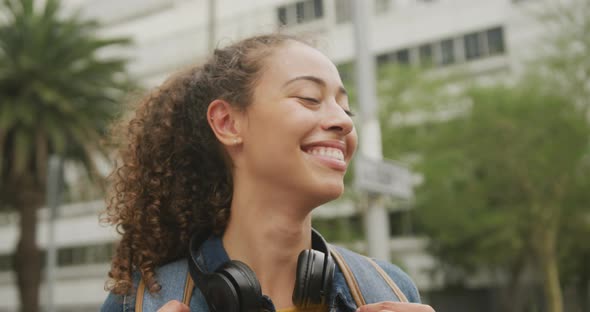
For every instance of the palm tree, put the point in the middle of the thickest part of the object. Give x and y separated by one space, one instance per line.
56 97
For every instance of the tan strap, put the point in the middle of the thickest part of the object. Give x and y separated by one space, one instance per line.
188 289
139 296
349 277
400 295
189 285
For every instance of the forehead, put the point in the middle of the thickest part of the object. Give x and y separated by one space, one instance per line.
296 59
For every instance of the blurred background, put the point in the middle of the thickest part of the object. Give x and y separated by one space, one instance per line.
478 184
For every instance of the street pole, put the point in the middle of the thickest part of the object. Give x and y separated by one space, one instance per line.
376 218
54 186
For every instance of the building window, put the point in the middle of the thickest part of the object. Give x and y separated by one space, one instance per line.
495 38
484 43
473 46
397 57
65 257
425 55
384 59
300 9
68 256
6 263
99 253
447 50
300 12
343 11
318 8
403 57
80 255
282 13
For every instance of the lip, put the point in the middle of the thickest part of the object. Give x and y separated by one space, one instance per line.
339 165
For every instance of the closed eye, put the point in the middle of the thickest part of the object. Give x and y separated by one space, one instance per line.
316 101
307 99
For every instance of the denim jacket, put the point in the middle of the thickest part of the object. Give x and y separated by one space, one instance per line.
172 278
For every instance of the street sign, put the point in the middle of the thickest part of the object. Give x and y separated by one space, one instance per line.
383 176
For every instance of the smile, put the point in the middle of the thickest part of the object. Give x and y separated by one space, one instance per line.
328 152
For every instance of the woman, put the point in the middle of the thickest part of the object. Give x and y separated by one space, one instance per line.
238 151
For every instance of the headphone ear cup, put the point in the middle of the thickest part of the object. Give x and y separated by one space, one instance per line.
245 283
300 278
220 293
309 280
328 275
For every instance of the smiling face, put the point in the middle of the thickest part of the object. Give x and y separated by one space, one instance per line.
297 136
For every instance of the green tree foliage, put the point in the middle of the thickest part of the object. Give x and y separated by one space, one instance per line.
56 96
506 192
564 49
564 62
504 183
411 100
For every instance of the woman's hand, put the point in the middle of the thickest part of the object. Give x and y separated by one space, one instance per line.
388 306
175 306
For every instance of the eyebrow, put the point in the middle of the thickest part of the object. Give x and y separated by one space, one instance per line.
315 80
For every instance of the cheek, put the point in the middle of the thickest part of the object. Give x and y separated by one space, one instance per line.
278 128
294 125
351 143
280 135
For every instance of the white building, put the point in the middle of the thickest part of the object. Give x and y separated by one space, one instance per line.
485 37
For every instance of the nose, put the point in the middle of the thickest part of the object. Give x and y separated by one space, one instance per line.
337 120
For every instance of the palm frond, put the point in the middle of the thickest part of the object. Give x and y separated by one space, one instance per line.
58 86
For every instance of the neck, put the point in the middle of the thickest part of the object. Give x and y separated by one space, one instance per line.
268 236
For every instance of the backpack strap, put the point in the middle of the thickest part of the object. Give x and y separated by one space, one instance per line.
169 277
367 281
189 286
139 296
398 292
355 290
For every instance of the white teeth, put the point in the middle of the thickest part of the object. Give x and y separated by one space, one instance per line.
327 152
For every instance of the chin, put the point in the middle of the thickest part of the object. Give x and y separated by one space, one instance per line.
330 191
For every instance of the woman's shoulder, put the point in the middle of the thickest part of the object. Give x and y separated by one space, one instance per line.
171 277
402 279
174 270
117 303
360 263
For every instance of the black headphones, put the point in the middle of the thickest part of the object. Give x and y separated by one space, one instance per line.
234 286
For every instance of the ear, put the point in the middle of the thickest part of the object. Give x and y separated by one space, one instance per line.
225 122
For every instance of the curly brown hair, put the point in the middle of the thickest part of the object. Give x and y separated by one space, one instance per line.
174 179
